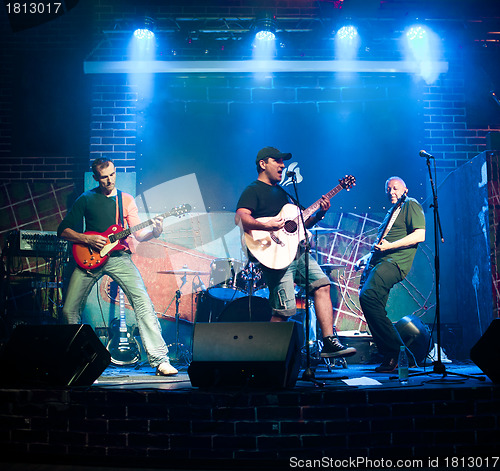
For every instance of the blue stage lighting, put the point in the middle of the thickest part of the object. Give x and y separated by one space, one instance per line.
142 33
416 32
265 27
347 33
265 36
145 28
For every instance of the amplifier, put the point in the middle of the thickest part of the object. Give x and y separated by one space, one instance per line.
45 242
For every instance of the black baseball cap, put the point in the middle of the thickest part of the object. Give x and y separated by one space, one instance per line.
266 152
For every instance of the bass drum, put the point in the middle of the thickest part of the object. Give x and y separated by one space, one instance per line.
208 308
247 309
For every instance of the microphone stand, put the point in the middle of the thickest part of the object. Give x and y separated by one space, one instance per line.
308 374
437 366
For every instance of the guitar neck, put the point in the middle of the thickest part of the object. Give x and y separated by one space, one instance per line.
394 214
123 321
126 232
314 207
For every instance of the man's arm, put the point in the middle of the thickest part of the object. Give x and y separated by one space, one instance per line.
249 223
95 241
314 219
418 235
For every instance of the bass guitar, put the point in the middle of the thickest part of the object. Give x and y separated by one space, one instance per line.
122 345
393 214
277 249
89 259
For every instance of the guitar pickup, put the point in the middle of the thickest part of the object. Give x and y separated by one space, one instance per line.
276 239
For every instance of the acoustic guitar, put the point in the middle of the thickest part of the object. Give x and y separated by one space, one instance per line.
277 249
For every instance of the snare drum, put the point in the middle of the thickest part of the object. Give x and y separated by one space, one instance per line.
225 280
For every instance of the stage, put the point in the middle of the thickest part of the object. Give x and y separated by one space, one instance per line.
131 418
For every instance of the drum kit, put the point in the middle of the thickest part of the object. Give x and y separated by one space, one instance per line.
236 291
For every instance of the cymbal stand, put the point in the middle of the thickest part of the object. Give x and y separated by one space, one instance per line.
177 298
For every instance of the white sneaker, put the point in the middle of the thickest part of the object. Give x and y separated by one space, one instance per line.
165 369
433 355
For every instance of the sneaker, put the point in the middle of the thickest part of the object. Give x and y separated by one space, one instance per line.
333 348
388 365
165 369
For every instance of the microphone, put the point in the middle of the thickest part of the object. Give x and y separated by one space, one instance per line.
290 174
422 153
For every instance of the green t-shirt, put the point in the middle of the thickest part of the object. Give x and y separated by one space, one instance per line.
410 218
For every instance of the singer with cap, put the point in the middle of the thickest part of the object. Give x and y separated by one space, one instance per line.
388 263
258 209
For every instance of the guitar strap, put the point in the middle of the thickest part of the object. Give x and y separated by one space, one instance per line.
120 207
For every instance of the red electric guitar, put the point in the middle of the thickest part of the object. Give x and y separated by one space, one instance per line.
89 259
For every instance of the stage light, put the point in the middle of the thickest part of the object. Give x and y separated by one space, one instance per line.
423 46
416 33
143 34
265 27
145 29
347 33
347 42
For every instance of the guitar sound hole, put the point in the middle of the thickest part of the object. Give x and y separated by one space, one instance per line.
290 226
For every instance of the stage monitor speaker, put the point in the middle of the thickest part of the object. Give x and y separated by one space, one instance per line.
416 336
52 355
238 354
486 352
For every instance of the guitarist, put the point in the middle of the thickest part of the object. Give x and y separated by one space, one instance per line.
390 262
99 209
264 198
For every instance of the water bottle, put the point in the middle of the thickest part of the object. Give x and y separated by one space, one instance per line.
403 365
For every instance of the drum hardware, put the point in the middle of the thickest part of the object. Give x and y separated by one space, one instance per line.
184 271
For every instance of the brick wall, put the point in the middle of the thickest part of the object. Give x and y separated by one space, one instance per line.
246 430
113 120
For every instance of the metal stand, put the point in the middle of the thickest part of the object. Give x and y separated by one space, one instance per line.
308 374
437 366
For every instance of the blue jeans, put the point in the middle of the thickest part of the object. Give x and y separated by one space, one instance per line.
281 283
121 268
373 299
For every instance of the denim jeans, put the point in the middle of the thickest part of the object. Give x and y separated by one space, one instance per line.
281 282
121 268
373 300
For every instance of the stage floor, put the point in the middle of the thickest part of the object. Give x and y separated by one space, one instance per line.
356 376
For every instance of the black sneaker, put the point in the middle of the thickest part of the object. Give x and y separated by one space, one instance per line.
333 348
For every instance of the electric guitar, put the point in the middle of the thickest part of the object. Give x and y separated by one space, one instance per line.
394 213
89 259
277 249
122 345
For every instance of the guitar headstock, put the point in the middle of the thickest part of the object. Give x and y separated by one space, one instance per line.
180 210
347 182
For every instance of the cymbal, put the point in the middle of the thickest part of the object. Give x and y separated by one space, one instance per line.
184 271
331 266
324 230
